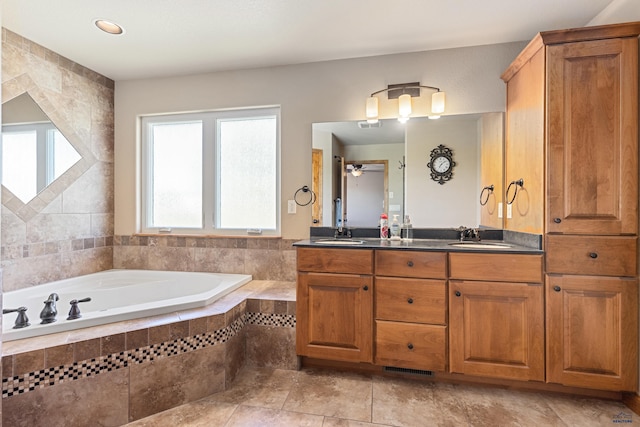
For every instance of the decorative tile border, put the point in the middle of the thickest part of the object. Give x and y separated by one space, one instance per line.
20 384
13 252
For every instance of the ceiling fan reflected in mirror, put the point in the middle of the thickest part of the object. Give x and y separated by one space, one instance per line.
355 170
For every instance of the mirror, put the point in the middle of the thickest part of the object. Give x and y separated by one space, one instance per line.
395 156
34 151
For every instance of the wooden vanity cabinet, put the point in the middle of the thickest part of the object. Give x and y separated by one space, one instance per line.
572 132
496 316
334 312
411 309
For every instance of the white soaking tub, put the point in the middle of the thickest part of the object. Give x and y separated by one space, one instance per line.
116 295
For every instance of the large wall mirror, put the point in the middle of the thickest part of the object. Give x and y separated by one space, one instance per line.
384 169
34 151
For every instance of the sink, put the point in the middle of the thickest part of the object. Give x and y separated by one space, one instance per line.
480 245
341 242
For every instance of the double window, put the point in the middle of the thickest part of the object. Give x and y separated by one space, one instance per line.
212 172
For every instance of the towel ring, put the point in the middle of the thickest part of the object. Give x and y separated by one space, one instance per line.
518 183
489 190
305 189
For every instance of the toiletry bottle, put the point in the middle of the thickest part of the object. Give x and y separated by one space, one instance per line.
395 228
407 229
384 226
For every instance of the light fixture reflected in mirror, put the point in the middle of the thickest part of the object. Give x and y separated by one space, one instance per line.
403 92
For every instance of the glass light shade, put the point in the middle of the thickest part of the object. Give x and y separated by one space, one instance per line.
437 103
404 106
356 172
372 110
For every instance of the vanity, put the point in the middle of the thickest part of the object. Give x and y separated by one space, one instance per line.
558 316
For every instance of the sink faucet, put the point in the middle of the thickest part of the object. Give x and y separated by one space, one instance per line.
49 312
468 234
342 232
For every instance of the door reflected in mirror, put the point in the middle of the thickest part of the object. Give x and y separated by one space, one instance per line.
34 152
477 144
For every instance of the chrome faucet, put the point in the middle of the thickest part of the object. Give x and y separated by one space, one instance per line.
468 234
49 312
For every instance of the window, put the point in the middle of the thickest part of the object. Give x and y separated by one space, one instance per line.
211 172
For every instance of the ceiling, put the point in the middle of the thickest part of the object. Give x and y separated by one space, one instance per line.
180 37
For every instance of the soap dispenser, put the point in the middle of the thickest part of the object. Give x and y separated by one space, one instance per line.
406 232
395 228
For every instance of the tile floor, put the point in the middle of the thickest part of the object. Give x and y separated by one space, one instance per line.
322 398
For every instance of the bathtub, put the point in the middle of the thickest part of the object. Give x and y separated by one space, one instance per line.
116 295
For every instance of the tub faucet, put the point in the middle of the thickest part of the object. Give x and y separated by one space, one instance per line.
49 312
74 311
22 321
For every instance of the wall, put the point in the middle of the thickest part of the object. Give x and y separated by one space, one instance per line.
307 93
455 202
66 230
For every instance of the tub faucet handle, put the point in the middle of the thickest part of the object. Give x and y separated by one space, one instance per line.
22 321
49 312
74 312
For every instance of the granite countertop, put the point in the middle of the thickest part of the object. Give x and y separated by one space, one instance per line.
484 246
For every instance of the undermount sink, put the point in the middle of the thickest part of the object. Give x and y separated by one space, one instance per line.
480 245
343 242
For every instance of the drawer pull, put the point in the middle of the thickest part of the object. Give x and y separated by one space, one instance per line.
557 288
410 263
458 293
410 300
557 220
365 287
410 346
593 255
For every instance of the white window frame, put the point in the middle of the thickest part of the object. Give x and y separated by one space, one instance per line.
210 174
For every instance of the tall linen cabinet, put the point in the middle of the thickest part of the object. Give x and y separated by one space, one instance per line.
572 137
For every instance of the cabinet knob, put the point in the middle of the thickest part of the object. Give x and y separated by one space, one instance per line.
593 255
365 287
410 300
410 346
410 263
557 288
557 220
458 293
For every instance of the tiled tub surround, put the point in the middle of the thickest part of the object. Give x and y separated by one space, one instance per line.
67 229
125 371
262 257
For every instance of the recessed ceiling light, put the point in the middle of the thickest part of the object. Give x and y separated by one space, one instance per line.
108 27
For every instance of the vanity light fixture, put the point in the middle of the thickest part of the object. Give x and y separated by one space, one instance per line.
403 92
108 27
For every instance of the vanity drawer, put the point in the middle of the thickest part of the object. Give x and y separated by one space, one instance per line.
411 300
591 255
496 267
328 260
411 264
411 345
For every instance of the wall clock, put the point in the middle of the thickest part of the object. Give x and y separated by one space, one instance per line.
441 164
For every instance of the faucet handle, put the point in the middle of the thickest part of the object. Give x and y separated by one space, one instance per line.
22 321
74 312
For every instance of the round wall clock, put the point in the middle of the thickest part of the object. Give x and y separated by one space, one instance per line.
441 164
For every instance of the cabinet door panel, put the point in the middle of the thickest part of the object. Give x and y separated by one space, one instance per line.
335 316
496 329
593 137
592 328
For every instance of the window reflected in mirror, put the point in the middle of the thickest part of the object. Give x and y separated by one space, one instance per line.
34 152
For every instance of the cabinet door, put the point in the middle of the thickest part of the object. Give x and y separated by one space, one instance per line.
335 316
496 329
593 137
592 332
